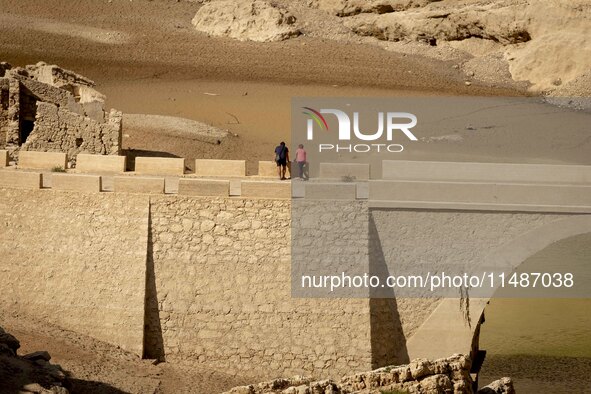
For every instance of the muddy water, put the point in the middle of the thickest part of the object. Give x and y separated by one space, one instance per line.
544 344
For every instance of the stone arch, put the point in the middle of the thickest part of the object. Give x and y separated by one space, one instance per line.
445 332
512 254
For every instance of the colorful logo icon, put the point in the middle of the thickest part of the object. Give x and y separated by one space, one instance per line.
317 117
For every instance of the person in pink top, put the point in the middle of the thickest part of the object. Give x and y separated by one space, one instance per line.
300 159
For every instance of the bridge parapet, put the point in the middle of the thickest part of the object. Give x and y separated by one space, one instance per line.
160 166
100 163
404 184
438 171
42 160
449 185
220 168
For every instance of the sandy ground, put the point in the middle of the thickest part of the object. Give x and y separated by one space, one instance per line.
147 58
95 367
259 115
150 40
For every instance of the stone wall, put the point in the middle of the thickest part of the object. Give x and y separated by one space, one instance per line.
222 293
414 241
76 260
60 130
4 94
10 109
209 277
207 280
41 91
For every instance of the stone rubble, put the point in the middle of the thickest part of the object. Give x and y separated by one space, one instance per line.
421 376
31 373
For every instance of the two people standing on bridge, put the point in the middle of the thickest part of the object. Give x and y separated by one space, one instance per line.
282 158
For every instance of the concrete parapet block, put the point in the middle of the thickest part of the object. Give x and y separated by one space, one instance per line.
204 187
268 169
353 171
211 167
485 172
4 159
298 189
266 189
160 165
138 184
100 163
76 182
235 187
331 191
42 160
481 193
362 190
20 179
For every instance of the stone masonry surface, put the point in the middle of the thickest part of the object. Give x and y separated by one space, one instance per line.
84 257
206 280
224 299
209 277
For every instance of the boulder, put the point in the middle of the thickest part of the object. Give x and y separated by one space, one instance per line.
501 386
245 20
8 342
42 355
424 376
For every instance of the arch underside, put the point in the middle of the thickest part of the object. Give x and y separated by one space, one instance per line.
446 331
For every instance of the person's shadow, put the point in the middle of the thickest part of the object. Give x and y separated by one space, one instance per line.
306 171
304 174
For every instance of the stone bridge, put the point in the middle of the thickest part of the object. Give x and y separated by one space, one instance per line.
199 268
461 217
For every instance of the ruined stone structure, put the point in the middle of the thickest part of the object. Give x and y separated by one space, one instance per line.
46 108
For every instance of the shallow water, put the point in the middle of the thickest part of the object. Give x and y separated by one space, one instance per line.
543 344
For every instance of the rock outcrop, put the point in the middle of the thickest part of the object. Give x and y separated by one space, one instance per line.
354 7
245 20
31 373
560 49
544 42
448 375
494 21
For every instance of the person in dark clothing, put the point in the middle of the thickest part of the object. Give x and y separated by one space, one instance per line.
281 158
